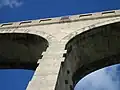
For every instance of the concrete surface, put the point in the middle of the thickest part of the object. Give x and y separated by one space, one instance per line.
61 50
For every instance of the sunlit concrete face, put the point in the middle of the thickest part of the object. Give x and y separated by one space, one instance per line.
19 50
90 51
89 44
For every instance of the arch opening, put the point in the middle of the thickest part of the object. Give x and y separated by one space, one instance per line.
92 50
107 78
21 50
15 79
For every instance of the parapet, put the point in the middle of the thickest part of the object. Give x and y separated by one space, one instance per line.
63 19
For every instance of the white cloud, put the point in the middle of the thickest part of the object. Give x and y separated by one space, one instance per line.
104 79
10 3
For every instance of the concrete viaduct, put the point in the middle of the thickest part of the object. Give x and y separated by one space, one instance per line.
61 50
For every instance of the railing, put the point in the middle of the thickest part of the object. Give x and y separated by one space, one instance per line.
63 19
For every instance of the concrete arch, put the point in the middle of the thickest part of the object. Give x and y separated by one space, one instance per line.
90 49
70 36
43 34
20 59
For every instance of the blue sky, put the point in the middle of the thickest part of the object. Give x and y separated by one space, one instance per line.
104 79
17 10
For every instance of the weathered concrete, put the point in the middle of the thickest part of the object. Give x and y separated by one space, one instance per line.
61 50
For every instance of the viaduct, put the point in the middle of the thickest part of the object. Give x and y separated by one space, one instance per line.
61 50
